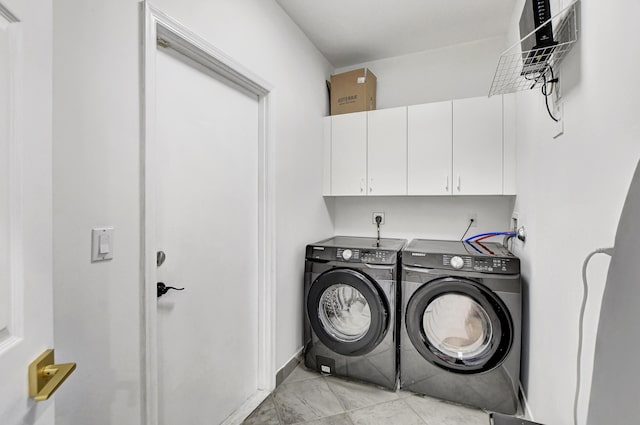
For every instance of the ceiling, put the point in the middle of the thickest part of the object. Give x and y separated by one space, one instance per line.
350 32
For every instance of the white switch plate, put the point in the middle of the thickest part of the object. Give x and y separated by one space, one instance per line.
101 244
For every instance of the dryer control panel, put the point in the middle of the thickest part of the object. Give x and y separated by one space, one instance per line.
457 255
495 265
463 256
492 265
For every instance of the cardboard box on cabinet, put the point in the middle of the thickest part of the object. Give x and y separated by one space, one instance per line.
353 91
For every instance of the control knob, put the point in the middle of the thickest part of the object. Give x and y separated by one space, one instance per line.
347 254
457 262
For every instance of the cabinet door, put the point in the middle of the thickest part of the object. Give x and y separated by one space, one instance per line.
430 149
349 154
326 157
510 145
387 152
477 146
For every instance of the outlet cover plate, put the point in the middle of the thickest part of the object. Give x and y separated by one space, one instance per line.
374 215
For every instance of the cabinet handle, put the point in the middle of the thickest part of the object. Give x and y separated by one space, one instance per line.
458 183
361 185
446 186
370 185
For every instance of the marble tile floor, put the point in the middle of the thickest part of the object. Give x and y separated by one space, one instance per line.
309 398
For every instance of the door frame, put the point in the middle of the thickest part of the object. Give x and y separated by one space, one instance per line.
13 334
158 25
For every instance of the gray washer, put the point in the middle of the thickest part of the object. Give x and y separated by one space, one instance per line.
364 348
461 323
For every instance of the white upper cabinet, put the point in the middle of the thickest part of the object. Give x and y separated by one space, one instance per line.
349 154
459 147
477 146
387 152
430 149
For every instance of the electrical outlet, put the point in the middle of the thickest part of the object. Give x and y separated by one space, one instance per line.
376 214
474 217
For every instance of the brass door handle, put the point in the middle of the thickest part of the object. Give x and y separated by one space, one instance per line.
45 377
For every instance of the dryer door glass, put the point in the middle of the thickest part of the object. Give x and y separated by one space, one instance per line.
458 326
344 312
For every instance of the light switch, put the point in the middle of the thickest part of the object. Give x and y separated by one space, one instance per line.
101 244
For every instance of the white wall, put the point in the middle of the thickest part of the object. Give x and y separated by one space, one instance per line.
96 180
96 174
571 191
438 217
455 72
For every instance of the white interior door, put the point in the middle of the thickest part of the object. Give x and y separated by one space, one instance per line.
208 150
26 303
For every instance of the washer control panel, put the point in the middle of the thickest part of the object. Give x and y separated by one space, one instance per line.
364 255
352 255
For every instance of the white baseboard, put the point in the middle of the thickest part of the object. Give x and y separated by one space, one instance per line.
243 412
296 356
288 367
525 405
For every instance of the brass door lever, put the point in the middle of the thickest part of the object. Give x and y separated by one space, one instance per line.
45 377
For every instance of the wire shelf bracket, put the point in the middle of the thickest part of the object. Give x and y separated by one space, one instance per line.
518 70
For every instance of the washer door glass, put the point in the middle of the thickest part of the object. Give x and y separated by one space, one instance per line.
344 312
348 311
458 326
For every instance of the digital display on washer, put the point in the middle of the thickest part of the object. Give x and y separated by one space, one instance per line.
375 256
491 264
